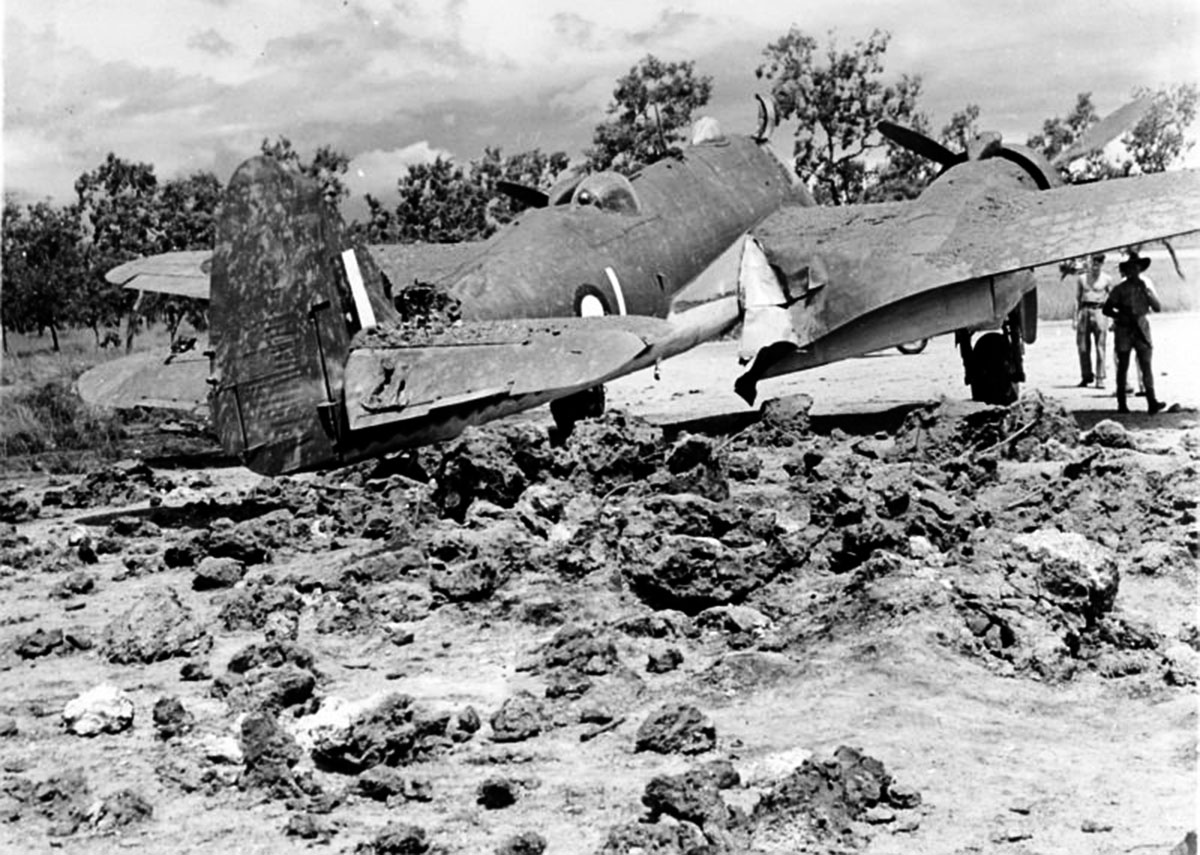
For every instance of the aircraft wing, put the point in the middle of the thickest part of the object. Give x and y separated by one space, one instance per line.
837 265
185 274
181 274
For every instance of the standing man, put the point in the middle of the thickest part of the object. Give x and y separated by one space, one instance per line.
1129 304
1090 326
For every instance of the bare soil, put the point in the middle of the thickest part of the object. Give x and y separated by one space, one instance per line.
885 623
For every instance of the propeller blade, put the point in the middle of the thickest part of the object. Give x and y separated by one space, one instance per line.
529 196
1105 131
918 143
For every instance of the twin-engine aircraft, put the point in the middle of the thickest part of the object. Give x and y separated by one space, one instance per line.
324 351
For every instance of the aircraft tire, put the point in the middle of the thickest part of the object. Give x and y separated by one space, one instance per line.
991 371
588 404
912 348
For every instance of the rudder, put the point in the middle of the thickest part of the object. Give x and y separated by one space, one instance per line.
286 300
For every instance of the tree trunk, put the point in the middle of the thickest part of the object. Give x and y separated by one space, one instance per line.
54 337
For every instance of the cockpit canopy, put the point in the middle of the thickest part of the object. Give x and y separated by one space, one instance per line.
608 191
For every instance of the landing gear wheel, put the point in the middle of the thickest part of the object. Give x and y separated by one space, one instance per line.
912 348
992 371
588 404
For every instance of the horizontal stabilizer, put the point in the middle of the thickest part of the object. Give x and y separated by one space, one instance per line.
157 379
509 365
183 274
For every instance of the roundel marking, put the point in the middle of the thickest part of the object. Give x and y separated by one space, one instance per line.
590 302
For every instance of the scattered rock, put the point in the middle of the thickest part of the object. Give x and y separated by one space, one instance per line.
1108 434
664 661
396 838
8 726
269 754
497 793
525 843
1078 573
520 717
40 642
104 709
158 626
394 732
171 718
820 799
1093 826
676 729
213 573
121 809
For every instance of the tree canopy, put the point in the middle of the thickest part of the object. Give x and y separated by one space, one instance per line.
649 116
838 98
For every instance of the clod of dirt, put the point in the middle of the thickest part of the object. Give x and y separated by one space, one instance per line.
104 709
497 793
16 507
171 718
1033 428
63 799
693 797
520 717
396 838
394 732
694 464
694 573
1080 575
249 607
40 642
581 648
273 687
270 753
310 826
782 422
380 783
818 802
76 584
676 729
613 450
158 626
525 843
660 838
664 661
1109 434
123 808
1156 558
122 484
482 464
213 573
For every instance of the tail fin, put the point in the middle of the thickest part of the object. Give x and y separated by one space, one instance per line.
288 293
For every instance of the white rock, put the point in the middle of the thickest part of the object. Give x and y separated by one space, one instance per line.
220 748
104 709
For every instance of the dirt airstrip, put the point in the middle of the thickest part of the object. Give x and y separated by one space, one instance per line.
867 621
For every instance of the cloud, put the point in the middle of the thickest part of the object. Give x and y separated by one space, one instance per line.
211 42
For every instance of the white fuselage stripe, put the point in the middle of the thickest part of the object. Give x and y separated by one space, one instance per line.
362 304
616 286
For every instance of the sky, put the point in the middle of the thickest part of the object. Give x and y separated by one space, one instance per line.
191 85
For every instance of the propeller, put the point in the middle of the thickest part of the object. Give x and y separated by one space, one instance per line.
919 143
1095 137
1105 131
531 197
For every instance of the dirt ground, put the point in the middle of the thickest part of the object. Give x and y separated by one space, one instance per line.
882 624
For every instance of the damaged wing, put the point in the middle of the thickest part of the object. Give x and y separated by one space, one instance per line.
479 370
186 274
839 264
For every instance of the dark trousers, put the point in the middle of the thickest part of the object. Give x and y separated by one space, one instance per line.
1144 353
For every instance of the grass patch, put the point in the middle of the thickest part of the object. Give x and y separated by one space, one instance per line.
51 417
